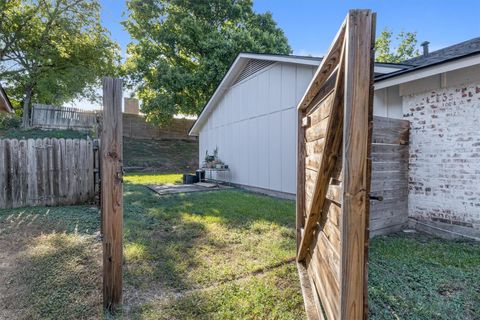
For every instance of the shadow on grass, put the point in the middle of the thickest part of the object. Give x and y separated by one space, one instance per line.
189 241
422 277
53 263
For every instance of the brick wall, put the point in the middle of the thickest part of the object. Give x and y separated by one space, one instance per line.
444 178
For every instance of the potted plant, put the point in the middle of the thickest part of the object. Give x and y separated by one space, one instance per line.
213 161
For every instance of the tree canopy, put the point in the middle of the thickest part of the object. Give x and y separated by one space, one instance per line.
182 49
406 49
54 51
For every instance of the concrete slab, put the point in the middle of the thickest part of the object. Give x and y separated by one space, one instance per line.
184 188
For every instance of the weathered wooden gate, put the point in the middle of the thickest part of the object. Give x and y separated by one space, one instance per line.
334 139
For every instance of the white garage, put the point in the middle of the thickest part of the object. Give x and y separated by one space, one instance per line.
251 119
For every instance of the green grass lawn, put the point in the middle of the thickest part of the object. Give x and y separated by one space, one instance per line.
423 277
216 255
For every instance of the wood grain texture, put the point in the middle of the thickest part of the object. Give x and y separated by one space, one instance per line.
326 68
337 135
300 198
112 193
356 176
333 141
45 172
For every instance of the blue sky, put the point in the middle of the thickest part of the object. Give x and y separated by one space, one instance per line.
310 25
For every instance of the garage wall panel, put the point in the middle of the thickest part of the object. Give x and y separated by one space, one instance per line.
254 124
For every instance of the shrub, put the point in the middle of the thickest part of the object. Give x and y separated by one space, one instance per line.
9 120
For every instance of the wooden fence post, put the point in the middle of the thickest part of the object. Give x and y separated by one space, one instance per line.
112 193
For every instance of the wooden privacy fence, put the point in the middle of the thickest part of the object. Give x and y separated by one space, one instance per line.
46 172
50 117
333 178
389 176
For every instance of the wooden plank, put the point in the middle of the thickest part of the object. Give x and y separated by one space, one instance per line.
324 92
317 131
309 293
22 173
82 170
305 122
89 171
76 170
316 299
327 66
315 148
9 170
32 192
112 193
329 156
15 183
321 111
356 180
55 178
51 174
390 122
300 199
393 183
384 222
390 136
325 283
379 148
62 172
70 170
329 252
334 193
378 167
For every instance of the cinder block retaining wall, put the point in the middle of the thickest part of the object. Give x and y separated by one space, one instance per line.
135 126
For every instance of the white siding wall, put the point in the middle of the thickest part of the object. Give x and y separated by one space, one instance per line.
254 127
388 103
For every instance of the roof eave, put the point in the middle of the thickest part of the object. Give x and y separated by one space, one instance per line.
232 72
242 59
420 72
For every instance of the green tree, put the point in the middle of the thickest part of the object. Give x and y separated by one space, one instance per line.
182 49
406 49
53 51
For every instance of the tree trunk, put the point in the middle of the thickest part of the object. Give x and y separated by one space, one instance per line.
26 107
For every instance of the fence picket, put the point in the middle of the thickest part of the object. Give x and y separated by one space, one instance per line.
22 161
15 181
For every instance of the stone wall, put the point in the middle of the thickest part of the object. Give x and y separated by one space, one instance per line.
444 178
